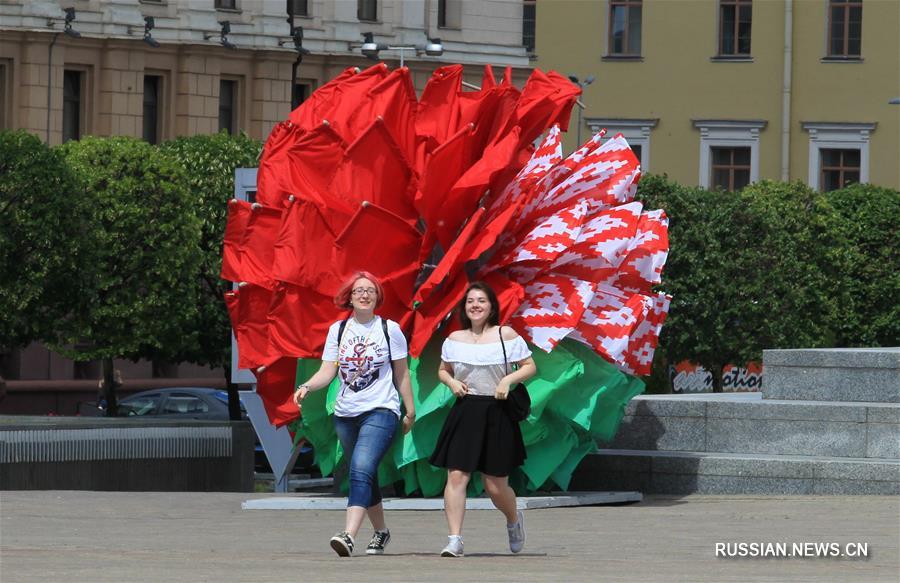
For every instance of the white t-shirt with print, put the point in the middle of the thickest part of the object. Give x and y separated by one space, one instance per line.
367 379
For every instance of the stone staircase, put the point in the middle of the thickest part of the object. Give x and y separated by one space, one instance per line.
826 422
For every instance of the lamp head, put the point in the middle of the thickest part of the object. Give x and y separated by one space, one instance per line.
434 48
369 47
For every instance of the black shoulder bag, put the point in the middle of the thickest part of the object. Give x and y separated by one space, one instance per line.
518 402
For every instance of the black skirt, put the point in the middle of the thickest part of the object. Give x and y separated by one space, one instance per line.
479 435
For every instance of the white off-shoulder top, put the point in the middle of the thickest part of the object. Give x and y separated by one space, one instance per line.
480 366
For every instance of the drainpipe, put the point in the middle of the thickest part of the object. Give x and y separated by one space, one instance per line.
50 81
786 91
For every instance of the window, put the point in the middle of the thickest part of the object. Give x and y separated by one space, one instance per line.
529 14
73 87
148 405
625 27
838 153
301 92
225 4
735 17
840 168
635 131
152 85
182 403
730 168
367 10
299 7
4 95
845 28
449 13
227 106
637 149
729 152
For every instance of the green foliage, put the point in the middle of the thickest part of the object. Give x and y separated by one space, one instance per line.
147 240
870 314
45 246
209 163
756 269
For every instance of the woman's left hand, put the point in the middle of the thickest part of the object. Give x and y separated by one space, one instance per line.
408 423
502 391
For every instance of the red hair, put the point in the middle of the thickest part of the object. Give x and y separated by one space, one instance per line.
342 299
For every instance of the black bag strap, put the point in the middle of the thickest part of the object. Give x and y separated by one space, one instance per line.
503 346
341 331
387 339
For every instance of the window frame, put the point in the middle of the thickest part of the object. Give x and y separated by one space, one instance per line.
160 105
235 104
305 14
635 131
217 4
731 167
720 53
837 136
532 28
361 4
6 93
80 110
841 168
847 5
626 4
720 133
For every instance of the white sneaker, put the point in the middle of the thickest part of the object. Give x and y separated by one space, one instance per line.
516 533
454 548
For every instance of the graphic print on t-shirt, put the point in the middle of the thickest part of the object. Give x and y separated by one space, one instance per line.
361 360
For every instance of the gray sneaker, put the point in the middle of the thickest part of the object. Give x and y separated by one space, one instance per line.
454 548
516 533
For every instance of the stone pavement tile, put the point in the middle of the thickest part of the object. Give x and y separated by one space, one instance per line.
137 537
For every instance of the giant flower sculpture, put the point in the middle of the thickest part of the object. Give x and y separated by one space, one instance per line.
429 194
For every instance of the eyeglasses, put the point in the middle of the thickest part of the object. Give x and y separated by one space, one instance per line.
364 290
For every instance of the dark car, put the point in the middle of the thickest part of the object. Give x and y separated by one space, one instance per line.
179 403
198 403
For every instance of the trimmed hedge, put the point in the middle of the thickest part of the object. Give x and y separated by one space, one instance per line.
209 163
776 265
46 245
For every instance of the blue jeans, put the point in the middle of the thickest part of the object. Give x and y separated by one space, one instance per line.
365 439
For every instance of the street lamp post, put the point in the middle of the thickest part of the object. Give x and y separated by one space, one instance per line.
587 81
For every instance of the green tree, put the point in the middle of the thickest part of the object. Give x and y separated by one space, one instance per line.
750 270
209 163
870 315
45 245
147 237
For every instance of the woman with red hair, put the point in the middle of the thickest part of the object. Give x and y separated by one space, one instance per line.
369 354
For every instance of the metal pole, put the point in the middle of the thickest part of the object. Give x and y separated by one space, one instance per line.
578 132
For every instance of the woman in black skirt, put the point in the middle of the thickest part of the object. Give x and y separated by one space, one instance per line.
479 434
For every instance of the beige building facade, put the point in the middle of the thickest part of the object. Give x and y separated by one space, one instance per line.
160 69
184 71
719 93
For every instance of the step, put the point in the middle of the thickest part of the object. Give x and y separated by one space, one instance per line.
833 374
552 500
746 423
657 472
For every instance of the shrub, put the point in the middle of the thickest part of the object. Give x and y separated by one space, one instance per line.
46 248
870 312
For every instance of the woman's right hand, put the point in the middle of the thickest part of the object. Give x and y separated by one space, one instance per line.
300 394
459 388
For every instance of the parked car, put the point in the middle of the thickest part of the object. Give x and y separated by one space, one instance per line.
196 403
179 403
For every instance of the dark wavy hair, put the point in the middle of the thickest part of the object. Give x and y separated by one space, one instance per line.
493 317
342 299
